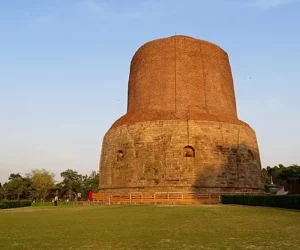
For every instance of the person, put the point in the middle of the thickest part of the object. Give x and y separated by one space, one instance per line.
75 196
55 200
90 196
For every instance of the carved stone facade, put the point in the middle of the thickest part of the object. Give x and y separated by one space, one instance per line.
181 132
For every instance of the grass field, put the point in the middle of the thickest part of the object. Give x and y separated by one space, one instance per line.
149 227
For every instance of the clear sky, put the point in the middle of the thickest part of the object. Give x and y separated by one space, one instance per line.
64 68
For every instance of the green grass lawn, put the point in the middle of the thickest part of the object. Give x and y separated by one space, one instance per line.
149 227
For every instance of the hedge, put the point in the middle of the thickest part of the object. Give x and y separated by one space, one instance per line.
282 201
14 204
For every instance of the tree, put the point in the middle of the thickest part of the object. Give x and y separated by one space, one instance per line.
14 176
72 183
4 192
16 186
265 176
91 183
29 192
42 183
272 173
290 175
282 175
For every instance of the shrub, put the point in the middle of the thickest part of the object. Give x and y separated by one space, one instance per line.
25 203
283 201
14 204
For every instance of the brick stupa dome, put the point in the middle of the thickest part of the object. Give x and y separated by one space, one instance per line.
181 131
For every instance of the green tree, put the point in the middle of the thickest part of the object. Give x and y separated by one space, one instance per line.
29 190
272 173
290 175
42 183
4 192
90 183
282 175
265 176
14 188
71 184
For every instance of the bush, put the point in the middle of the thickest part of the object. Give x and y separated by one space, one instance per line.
283 201
25 203
14 204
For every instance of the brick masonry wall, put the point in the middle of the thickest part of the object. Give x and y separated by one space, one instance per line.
149 157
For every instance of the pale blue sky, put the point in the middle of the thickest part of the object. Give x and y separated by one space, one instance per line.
64 68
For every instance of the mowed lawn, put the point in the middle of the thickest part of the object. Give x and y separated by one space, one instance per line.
149 227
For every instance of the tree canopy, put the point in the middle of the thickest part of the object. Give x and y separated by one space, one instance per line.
40 184
282 175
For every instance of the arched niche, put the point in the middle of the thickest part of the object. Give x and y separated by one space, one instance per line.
120 155
188 151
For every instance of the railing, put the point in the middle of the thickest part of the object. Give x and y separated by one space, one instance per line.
162 197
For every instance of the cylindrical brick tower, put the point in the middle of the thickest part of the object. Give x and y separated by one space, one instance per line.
181 132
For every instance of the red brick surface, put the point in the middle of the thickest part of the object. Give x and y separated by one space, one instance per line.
180 76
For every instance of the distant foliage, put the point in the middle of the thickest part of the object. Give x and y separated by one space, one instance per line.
282 201
39 185
282 175
42 183
74 183
16 187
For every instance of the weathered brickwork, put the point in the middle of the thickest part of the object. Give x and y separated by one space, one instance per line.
225 157
181 132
